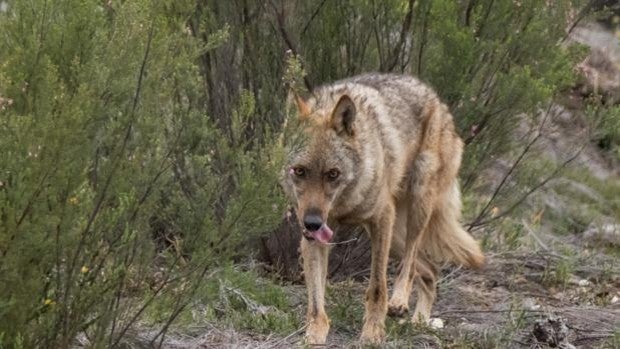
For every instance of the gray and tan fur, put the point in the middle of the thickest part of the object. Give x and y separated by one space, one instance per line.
381 152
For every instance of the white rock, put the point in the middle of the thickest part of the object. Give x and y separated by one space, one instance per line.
584 283
435 323
614 300
530 304
606 233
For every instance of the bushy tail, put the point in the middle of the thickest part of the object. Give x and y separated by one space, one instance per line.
446 239
455 245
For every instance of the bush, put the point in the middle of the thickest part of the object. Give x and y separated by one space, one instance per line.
109 161
494 63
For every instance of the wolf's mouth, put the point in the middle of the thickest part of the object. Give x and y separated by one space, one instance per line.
323 234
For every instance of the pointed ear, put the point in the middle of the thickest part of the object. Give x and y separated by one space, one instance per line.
302 107
343 116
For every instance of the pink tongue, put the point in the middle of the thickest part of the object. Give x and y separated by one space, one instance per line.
323 235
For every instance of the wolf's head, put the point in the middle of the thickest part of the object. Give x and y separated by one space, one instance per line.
324 165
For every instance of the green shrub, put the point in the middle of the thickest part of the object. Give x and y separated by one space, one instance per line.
105 148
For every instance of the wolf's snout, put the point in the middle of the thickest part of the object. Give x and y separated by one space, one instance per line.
312 222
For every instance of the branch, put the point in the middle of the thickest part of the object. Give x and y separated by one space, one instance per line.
314 14
396 52
280 17
529 192
115 166
27 209
484 19
586 10
423 39
145 305
499 187
182 302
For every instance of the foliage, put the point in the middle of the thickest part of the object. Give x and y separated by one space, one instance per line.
494 63
608 131
116 188
141 143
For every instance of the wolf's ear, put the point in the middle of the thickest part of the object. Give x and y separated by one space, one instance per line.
302 106
343 116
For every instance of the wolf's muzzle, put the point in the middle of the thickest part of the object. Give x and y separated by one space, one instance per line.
312 222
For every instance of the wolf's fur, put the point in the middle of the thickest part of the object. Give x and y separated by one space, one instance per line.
394 146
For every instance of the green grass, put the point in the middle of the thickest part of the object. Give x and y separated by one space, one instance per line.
557 276
345 306
614 341
246 301
235 298
586 208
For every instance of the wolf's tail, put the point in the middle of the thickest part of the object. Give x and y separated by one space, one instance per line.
446 239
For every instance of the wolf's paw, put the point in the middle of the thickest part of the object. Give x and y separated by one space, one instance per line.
421 316
372 333
316 333
397 310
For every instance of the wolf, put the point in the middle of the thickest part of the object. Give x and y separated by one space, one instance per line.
380 151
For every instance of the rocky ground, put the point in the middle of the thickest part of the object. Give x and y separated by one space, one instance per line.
519 300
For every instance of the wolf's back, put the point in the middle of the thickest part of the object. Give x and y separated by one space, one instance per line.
411 118
404 96
390 107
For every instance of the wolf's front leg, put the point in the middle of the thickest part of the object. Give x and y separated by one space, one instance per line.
380 230
315 256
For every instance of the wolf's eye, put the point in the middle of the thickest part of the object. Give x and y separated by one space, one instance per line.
299 171
333 174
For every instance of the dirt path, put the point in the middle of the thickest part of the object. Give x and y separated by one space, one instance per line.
497 307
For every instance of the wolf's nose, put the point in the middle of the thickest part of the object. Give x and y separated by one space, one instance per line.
312 222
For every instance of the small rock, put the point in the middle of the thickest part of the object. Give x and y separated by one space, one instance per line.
583 283
435 323
606 233
579 282
530 304
614 300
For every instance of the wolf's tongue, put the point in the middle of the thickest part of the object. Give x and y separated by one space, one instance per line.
323 234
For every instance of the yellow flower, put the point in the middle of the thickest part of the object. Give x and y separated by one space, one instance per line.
84 270
49 302
494 211
73 200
